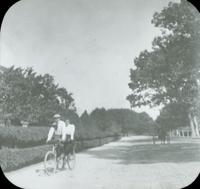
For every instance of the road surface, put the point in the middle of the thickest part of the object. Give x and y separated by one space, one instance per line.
111 166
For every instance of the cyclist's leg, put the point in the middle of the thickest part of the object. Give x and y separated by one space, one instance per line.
72 148
65 152
59 150
66 148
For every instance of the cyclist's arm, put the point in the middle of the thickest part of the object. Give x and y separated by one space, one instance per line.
63 137
73 132
50 134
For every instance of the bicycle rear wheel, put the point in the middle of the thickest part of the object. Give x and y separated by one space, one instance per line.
60 162
71 160
50 163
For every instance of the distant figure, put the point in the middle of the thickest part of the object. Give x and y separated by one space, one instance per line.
163 135
154 134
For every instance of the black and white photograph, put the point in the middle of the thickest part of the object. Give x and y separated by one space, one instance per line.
100 94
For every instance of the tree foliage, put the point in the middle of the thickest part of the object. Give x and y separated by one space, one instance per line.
169 73
173 116
27 96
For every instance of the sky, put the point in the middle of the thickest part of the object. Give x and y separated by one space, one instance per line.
88 46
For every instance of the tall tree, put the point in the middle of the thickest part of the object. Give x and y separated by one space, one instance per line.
170 72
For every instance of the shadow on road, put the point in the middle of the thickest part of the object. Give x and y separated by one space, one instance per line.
42 172
149 153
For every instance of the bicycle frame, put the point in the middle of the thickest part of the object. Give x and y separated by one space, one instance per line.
58 159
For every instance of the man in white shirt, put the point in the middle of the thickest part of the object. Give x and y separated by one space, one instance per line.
57 130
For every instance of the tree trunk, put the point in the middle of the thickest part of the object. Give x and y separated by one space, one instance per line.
196 126
192 125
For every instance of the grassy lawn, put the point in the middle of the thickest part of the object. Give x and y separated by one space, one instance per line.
177 153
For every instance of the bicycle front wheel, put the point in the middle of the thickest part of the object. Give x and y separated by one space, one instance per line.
71 160
50 162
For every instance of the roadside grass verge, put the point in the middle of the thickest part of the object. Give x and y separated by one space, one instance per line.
12 159
145 152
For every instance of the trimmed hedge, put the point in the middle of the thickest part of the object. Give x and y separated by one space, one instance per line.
12 159
22 137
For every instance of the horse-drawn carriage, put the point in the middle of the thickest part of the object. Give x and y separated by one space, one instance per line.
162 135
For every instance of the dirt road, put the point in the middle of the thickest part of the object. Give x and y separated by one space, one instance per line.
113 166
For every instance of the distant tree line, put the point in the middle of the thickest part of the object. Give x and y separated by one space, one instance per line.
115 121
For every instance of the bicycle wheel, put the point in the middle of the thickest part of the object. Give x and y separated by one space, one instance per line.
50 162
71 160
65 164
60 162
